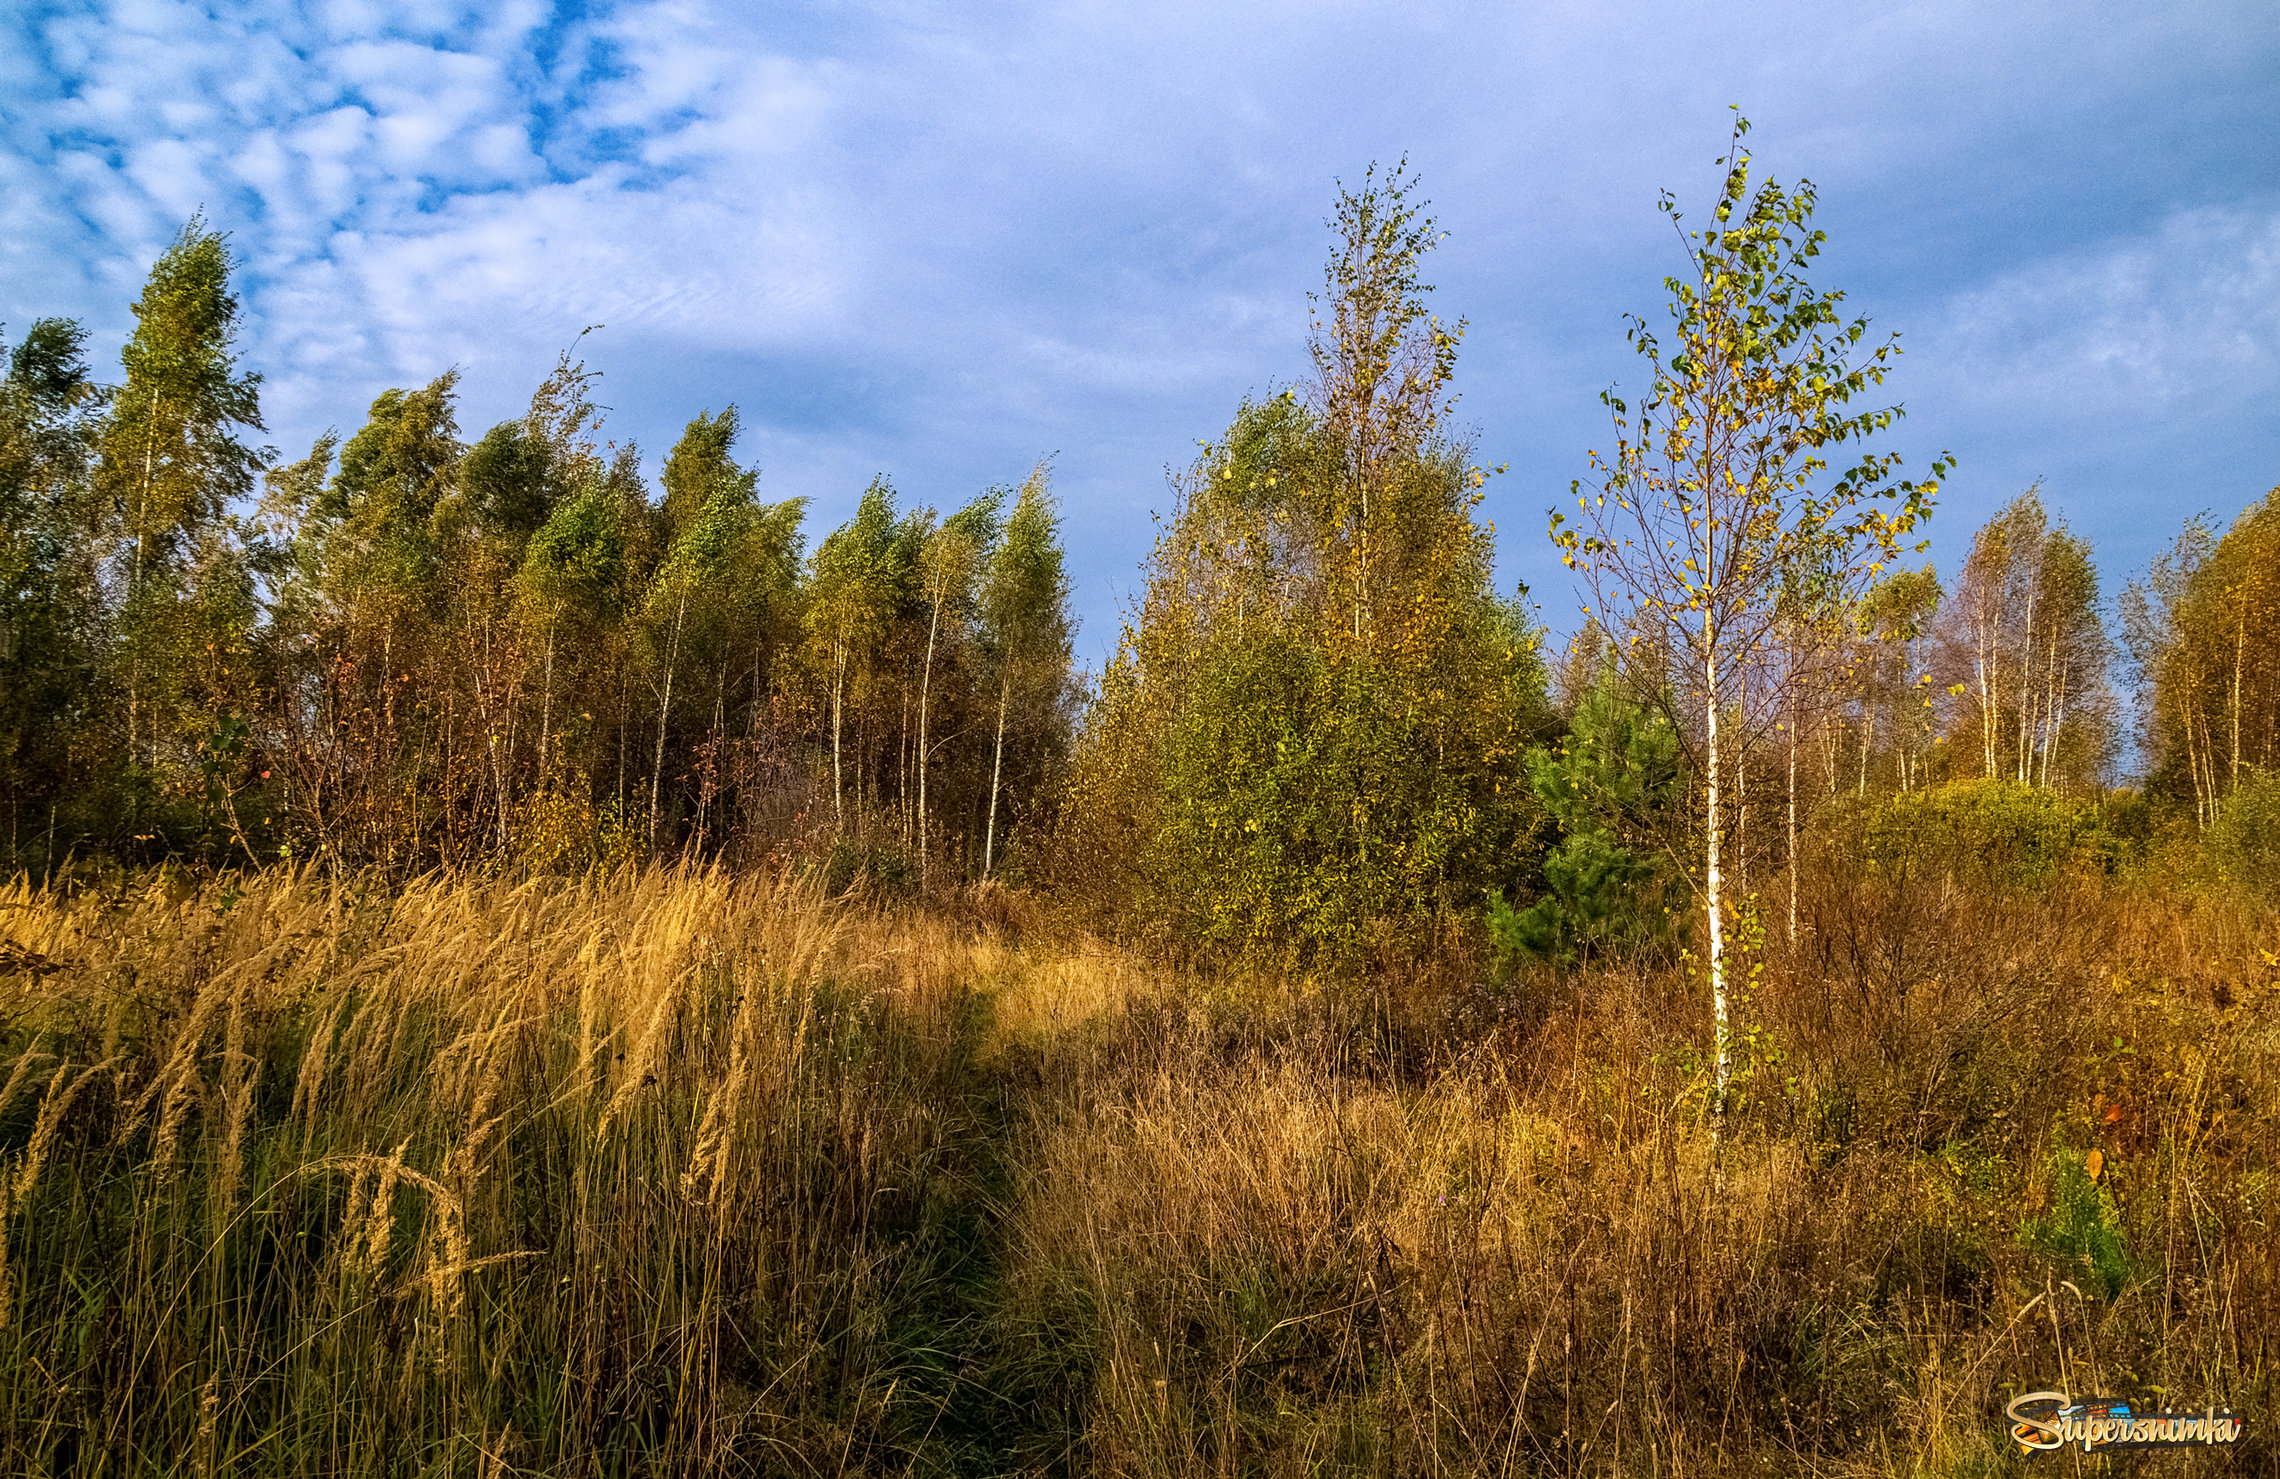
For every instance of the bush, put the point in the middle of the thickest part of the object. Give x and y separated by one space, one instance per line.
854 864
2081 1230
2244 839
1991 831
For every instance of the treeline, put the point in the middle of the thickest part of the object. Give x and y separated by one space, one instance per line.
1323 729
409 649
2023 673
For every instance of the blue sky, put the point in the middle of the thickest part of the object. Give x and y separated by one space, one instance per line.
942 241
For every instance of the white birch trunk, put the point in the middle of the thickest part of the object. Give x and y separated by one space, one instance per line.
2240 638
1721 1069
997 769
2026 691
838 700
925 690
664 707
546 707
1792 823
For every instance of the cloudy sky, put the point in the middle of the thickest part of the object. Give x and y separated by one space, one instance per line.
942 241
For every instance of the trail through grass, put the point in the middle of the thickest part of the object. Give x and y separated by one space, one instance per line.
681 1173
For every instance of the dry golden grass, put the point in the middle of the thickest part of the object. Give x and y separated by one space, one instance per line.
1284 1252
676 1171
318 1178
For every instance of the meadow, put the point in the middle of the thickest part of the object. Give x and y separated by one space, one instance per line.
510 969
678 1171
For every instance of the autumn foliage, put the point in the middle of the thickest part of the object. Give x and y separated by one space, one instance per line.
515 960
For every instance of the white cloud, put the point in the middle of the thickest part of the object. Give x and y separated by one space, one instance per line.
944 239
2186 311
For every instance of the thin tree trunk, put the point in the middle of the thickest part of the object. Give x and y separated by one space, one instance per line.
2193 769
2054 691
925 690
498 779
2200 750
664 708
1742 824
2240 639
513 683
2057 717
1792 823
483 692
711 782
1990 698
997 768
838 701
1722 1066
1915 729
2026 689
546 707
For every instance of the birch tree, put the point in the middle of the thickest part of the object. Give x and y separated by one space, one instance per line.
2166 668
2204 627
1382 367
1813 648
1896 622
572 575
707 498
2027 650
171 463
856 584
1311 733
948 562
1726 478
1025 625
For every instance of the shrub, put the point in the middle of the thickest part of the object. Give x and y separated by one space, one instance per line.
1991 831
2081 1230
2244 839
853 864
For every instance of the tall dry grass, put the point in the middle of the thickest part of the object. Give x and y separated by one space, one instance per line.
675 1172
1986 1142
311 1177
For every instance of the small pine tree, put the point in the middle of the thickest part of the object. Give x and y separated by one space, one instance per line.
1613 786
